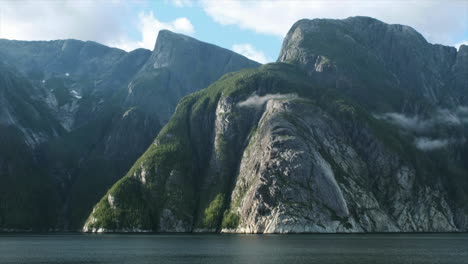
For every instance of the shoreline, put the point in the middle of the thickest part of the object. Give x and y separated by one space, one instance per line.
17 231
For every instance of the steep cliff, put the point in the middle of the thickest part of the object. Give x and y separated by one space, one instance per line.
179 65
363 129
266 152
386 67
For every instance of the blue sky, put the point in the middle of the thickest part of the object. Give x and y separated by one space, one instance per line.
254 28
222 35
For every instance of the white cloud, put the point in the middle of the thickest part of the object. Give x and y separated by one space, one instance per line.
149 26
463 110
106 22
416 123
181 3
182 25
257 101
46 20
413 123
250 52
427 144
446 24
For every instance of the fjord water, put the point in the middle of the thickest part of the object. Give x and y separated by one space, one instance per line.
313 248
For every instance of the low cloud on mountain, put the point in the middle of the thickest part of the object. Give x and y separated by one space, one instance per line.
419 124
427 144
257 101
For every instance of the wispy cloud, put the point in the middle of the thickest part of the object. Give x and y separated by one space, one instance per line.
428 144
414 123
419 124
181 3
257 101
250 52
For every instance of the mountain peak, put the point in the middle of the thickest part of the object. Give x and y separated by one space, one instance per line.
167 32
349 49
357 25
167 38
178 50
463 49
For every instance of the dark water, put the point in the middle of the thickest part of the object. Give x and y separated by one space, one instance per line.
225 249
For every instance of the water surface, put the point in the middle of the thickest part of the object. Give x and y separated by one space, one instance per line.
225 249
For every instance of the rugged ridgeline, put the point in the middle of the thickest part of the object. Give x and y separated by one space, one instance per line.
99 108
384 67
74 78
360 127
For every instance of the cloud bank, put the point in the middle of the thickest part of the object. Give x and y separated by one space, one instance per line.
258 101
107 22
46 20
418 125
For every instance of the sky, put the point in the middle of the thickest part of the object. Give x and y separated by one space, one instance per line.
254 28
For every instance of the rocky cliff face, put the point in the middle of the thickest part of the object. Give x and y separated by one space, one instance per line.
19 109
179 65
460 73
362 130
387 67
107 106
308 171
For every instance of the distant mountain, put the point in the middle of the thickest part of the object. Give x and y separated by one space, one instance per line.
73 77
104 106
360 127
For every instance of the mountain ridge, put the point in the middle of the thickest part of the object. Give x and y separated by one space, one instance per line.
100 96
329 139
398 55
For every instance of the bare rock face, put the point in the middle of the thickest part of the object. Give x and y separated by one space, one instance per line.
302 173
283 178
